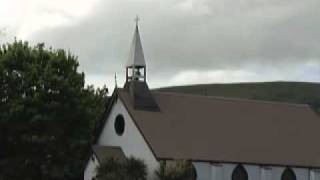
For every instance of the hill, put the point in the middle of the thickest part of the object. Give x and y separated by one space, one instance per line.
291 92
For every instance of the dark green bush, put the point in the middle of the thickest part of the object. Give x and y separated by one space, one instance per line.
131 169
176 170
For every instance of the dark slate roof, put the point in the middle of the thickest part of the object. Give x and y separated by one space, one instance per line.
141 96
104 153
215 129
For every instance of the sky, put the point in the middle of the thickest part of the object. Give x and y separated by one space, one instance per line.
184 41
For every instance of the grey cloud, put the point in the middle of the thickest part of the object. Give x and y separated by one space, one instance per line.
179 35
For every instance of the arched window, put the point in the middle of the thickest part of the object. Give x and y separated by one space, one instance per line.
239 173
288 174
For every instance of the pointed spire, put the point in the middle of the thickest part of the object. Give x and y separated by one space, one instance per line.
136 56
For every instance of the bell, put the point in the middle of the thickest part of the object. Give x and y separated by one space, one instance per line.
137 73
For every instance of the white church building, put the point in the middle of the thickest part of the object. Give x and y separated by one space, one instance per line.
224 138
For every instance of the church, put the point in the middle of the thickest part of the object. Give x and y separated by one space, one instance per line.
224 138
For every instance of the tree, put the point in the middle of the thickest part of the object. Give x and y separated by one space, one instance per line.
114 169
47 113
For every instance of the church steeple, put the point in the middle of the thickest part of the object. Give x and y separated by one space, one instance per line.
136 65
136 84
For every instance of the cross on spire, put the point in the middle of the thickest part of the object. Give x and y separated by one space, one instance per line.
137 20
115 80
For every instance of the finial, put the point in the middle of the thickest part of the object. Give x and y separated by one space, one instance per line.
115 80
137 20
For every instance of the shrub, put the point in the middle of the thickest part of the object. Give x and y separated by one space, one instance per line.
176 170
114 169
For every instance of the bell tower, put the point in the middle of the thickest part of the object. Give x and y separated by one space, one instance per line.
136 65
136 82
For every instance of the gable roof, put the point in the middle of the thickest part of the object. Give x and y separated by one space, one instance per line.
216 129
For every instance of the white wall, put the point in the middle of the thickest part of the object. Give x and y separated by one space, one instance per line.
203 170
223 171
131 141
90 170
217 171
266 173
315 174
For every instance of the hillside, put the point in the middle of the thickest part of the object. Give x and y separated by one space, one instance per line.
292 92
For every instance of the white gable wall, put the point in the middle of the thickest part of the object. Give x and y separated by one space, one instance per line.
131 141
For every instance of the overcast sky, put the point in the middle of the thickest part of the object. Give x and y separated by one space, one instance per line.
185 41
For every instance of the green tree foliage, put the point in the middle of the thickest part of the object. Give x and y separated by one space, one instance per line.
47 115
176 170
113 169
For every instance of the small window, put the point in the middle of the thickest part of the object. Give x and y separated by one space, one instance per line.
119 125
288 174
239 173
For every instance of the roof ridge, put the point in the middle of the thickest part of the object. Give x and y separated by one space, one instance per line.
222 98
